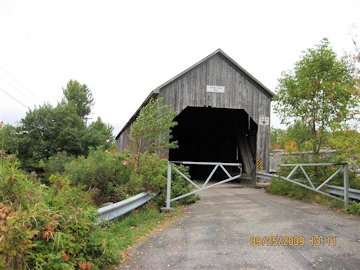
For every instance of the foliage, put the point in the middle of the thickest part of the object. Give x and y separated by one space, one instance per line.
276 138
56 164
132 226
320 92
151 130
297 137
8 139
100 172
353 208
47 130
152 176
47 227
149 135
285 188
79 97
98 134
347 142
111 177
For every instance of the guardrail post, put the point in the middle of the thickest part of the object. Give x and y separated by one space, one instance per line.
168 190
346 184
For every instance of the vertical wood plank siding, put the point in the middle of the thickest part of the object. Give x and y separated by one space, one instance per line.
240 93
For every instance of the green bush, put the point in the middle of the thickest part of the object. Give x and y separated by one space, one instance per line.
285 188
48 227
353 208
152 176
101 172
56 164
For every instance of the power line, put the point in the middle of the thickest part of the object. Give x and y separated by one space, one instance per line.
17 90
22 45
24 67
38 115
21 84
15 18
14 98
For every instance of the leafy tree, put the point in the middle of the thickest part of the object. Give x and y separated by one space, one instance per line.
320 92
276 136
8 139
347 142
79 96
99 134
47 130
296 137
151 130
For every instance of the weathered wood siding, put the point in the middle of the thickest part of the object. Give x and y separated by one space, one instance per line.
123 140
241 92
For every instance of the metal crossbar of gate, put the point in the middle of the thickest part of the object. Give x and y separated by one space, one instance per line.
311 186
204 186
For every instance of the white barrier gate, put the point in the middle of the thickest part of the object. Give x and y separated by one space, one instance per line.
204 186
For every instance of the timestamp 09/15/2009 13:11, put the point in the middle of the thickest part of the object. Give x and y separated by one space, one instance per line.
292 241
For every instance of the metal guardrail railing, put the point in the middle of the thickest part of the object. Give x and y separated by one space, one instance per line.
336 190
311 186
266 176
115 210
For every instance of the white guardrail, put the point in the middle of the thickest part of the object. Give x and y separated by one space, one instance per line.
334 190
115 210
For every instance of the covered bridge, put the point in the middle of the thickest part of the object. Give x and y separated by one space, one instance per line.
223 115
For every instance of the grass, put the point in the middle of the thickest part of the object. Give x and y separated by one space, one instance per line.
287 189
127 231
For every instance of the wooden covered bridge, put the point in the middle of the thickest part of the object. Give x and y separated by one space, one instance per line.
223 115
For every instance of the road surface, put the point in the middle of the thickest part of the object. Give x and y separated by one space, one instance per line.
220 230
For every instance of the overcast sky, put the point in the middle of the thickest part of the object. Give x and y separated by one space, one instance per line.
122 50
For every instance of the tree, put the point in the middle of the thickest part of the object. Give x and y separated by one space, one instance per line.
151 132
99 134
8 139
79 96
47 130
347 142
320 92
295 138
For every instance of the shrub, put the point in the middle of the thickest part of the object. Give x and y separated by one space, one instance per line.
353 208
152 175
56 163
101 172
47 227
285 188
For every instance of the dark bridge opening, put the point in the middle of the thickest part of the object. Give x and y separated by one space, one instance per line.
215 135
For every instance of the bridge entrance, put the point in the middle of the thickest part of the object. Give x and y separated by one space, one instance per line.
215 135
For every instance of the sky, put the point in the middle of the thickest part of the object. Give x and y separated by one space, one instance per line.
122 50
